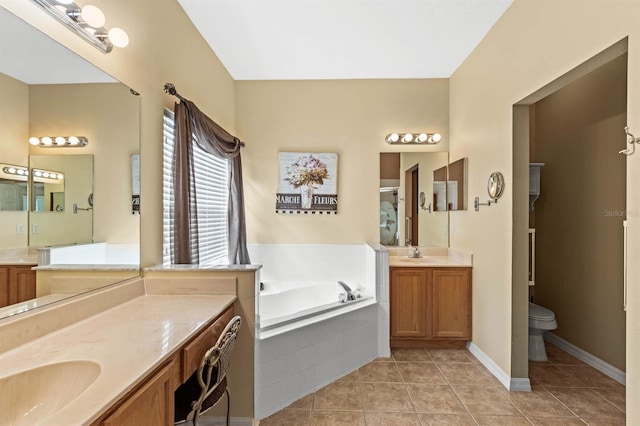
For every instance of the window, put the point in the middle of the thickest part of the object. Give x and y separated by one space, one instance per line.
212 195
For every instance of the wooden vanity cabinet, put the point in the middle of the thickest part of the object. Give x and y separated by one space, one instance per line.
430 307
151 402
17 284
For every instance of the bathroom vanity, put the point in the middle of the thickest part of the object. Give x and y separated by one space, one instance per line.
17 283
430 300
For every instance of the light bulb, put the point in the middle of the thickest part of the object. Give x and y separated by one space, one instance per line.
34 141
422 137
12 170
407 138
92 16
21 172
64 1
60 140
118 37
45 174
73 140
436 138
46 140
60 176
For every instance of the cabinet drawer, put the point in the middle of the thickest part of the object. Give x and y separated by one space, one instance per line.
193 352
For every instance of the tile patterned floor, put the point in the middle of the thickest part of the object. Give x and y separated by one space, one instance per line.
450 387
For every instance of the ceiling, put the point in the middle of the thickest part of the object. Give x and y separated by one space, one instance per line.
32 57
343 39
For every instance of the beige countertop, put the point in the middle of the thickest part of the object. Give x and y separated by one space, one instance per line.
430 258
126 354
27 260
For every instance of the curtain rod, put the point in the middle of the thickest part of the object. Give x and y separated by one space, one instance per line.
171 89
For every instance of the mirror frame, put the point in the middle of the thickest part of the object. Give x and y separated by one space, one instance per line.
495 185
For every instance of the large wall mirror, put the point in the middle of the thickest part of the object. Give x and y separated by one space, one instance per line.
408 211
86 195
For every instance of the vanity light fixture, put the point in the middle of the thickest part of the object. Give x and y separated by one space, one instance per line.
87 22
47 176
14 172
413 138
59 141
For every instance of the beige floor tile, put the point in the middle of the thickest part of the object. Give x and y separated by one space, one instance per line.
410 354
586 403
435 399
605 422
451 355
616 396
556 421
379 372
337 418
538 403
304 403
390 397
421 372
550 375
446 419
485 400
501 420
591 377
467 374
391 419
338 396
559 357
351 377
288 418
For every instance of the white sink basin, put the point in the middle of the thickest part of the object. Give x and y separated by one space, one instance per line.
32 396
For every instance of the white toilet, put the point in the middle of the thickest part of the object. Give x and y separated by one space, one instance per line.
541 319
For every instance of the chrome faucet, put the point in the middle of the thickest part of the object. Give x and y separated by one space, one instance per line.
415 252
350 295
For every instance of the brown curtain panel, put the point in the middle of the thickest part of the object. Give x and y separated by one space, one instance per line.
212 138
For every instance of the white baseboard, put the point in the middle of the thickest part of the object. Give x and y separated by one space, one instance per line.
218 421
595 362
513 384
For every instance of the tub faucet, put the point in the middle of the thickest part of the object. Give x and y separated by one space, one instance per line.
415 252
350 295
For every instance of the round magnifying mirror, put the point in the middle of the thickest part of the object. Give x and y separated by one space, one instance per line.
422 199
495 186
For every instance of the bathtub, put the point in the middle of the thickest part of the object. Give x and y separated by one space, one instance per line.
306 338
283 304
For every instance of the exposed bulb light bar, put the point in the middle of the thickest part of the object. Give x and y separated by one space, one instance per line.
413 138
12 172
87 22
47 175
59 141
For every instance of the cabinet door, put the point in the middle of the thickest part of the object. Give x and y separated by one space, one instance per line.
23 283
451 303
408 302
4 286
151 405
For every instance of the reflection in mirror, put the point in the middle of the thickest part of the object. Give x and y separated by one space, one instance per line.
47 187
52 224
403 176
66 96
13 188
440 189
457 185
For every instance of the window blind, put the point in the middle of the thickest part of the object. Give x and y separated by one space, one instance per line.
212 198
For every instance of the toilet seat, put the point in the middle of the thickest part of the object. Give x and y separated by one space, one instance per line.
541 317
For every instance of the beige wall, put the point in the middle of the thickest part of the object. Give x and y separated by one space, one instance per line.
531 45
164 47
579 214
109 116
14 122
347 117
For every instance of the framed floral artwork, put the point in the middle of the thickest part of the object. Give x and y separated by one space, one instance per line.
307 183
